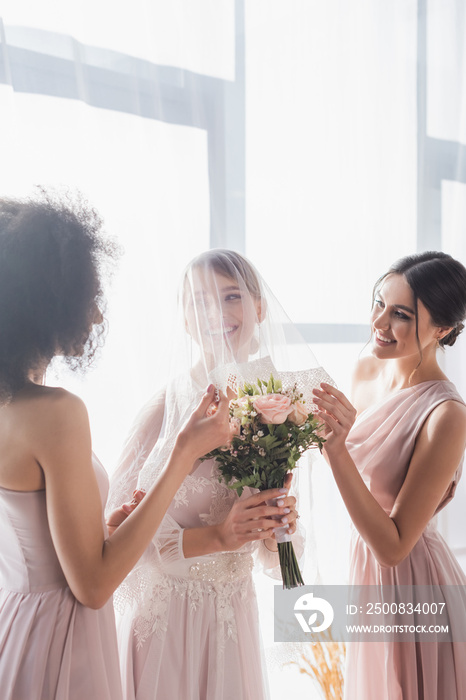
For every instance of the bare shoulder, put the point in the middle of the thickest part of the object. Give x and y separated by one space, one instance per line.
54 417
36 406
442 438
39 424
366 369
448 418
57 404
363 387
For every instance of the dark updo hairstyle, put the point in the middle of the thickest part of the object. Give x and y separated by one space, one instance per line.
439 282
51 259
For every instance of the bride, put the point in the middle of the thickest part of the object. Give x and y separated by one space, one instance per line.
189 624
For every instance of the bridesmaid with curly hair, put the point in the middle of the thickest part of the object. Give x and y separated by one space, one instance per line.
58 566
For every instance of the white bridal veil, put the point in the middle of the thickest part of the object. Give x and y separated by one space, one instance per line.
229 329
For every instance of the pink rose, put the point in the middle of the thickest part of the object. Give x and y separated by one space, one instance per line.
272 408
299 413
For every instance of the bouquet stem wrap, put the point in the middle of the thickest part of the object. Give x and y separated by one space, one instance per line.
291 574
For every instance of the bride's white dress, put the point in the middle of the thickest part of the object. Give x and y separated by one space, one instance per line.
189 628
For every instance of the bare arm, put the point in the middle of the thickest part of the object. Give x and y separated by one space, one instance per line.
119 515
95 566
238 528
437 454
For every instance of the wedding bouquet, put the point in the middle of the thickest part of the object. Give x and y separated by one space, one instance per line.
270 429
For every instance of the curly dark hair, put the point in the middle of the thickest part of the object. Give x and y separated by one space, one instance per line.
52 256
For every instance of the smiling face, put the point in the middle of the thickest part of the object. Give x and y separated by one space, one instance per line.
393 321
221 315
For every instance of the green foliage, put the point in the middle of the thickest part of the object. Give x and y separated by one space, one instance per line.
262 454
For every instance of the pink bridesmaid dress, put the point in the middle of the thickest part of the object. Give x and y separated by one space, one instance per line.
382 443
51 646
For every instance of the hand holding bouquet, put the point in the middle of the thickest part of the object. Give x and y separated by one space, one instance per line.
270 428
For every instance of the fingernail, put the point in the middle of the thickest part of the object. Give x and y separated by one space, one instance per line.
209 388
126 509
286 510
284 520
280 503
283 490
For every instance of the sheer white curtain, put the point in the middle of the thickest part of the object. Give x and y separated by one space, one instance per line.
324 140
446 127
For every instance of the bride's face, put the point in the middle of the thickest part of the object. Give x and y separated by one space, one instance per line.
221 315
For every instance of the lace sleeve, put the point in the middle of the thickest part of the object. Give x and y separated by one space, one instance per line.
139 443
168 541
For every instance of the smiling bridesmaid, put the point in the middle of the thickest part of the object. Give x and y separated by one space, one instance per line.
399 465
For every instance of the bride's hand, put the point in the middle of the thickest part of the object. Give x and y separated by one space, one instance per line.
119 515
208 426
251 519
336 412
